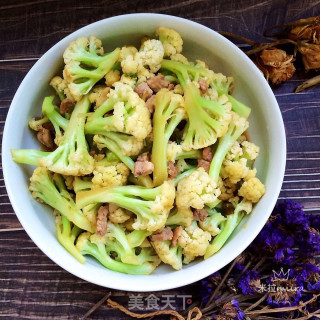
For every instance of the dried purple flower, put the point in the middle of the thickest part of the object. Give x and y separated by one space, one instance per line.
284 289
249 282
309 274
208 284
230 311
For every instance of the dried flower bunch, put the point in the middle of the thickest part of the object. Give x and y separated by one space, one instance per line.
302 38
277 277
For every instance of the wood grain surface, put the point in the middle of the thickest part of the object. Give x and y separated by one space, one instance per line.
31 285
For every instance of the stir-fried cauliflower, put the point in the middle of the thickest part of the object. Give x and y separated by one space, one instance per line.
253 190
250 150
111 77
171 41
148 155
196 190
151 55
130 116
173 149
194 242
168 255
235 170
110 176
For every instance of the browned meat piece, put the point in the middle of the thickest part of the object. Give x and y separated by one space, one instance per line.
92 153
171 86
45 138
143 166
203 86
48 125
158 82
204 164
199 215
207 154
176 235
165 234
172 170
143 157
66 106
150 103
143 91
102 220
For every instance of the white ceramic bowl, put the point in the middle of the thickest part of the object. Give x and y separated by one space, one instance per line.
266 130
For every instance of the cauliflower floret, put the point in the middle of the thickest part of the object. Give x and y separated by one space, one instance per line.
160 208
111 77
227 116
82 45
130 116
227 189
98 95
178 89
110 176
235 170
251 174
181 217
68 180
87 52
129 145
151 54
194 242
130 81
252 190
173 149
221 79
119 215
180 58
171 256
212 223
201 64
171 41
235 152
196 189
61 87
250 150
129 60
211 94
243 206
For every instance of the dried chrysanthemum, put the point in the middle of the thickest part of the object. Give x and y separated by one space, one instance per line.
276 65
303 29
310 55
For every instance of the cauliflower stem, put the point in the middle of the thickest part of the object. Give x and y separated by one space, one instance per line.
50 189
237 126
168 107
71 157
67 236
151 206
99 252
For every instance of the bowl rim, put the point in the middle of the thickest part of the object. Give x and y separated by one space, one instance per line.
134 284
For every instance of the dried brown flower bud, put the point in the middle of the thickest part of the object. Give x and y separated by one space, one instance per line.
305 29
276 65
310 55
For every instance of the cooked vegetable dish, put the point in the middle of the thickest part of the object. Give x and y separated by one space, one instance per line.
144 158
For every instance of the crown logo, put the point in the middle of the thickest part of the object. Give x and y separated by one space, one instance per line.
281 275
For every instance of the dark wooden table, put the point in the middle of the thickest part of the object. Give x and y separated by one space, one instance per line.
31 285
